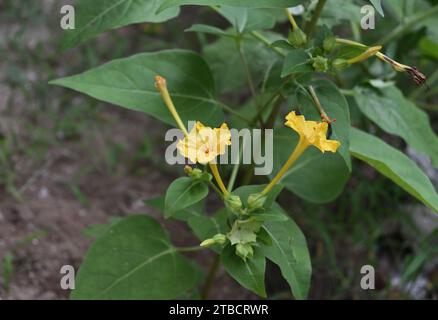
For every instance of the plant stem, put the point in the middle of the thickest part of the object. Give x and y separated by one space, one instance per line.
299 149
408 24
318 105
291 19
210 278
309 28
218 178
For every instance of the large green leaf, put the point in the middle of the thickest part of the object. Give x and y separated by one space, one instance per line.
392 112
336 106
182 193
205 227
130 83
134 259
229 72
395 165
289 251
234 3
250 273
246 19
315 177
97 16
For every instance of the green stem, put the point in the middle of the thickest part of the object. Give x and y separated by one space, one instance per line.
233 175
309 28
210 278
266 42
410 22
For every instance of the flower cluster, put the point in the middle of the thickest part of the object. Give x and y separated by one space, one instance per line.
202 145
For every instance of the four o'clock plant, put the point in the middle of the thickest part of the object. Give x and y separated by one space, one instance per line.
267 69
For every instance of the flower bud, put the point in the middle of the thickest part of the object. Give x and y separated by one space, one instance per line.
244 251
339 64
297 38
320 64
207 243
329 43
256 201
233 203
220 239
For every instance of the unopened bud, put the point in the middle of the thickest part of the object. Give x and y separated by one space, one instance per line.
220 239
256 201
233 203
339 64
320 64
297 38
245 251
207 243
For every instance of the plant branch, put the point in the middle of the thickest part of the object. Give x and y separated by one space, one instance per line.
210 278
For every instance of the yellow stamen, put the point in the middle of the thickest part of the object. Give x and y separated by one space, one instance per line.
218 178
298 151
160 84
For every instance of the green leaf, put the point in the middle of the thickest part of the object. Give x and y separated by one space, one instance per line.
134 259
250 273
378 5
203 28
393 113
297 61
182 193
206 227
234 3
245 19
289 251
97 16
130 83
271 214
336 106
226 64
395 165
316 177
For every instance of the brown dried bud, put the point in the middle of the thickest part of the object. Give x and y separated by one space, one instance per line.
417 75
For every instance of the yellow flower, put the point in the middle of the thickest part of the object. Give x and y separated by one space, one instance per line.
312 132
203 144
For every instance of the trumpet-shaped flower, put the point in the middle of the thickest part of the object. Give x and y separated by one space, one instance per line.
203 144
312 132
